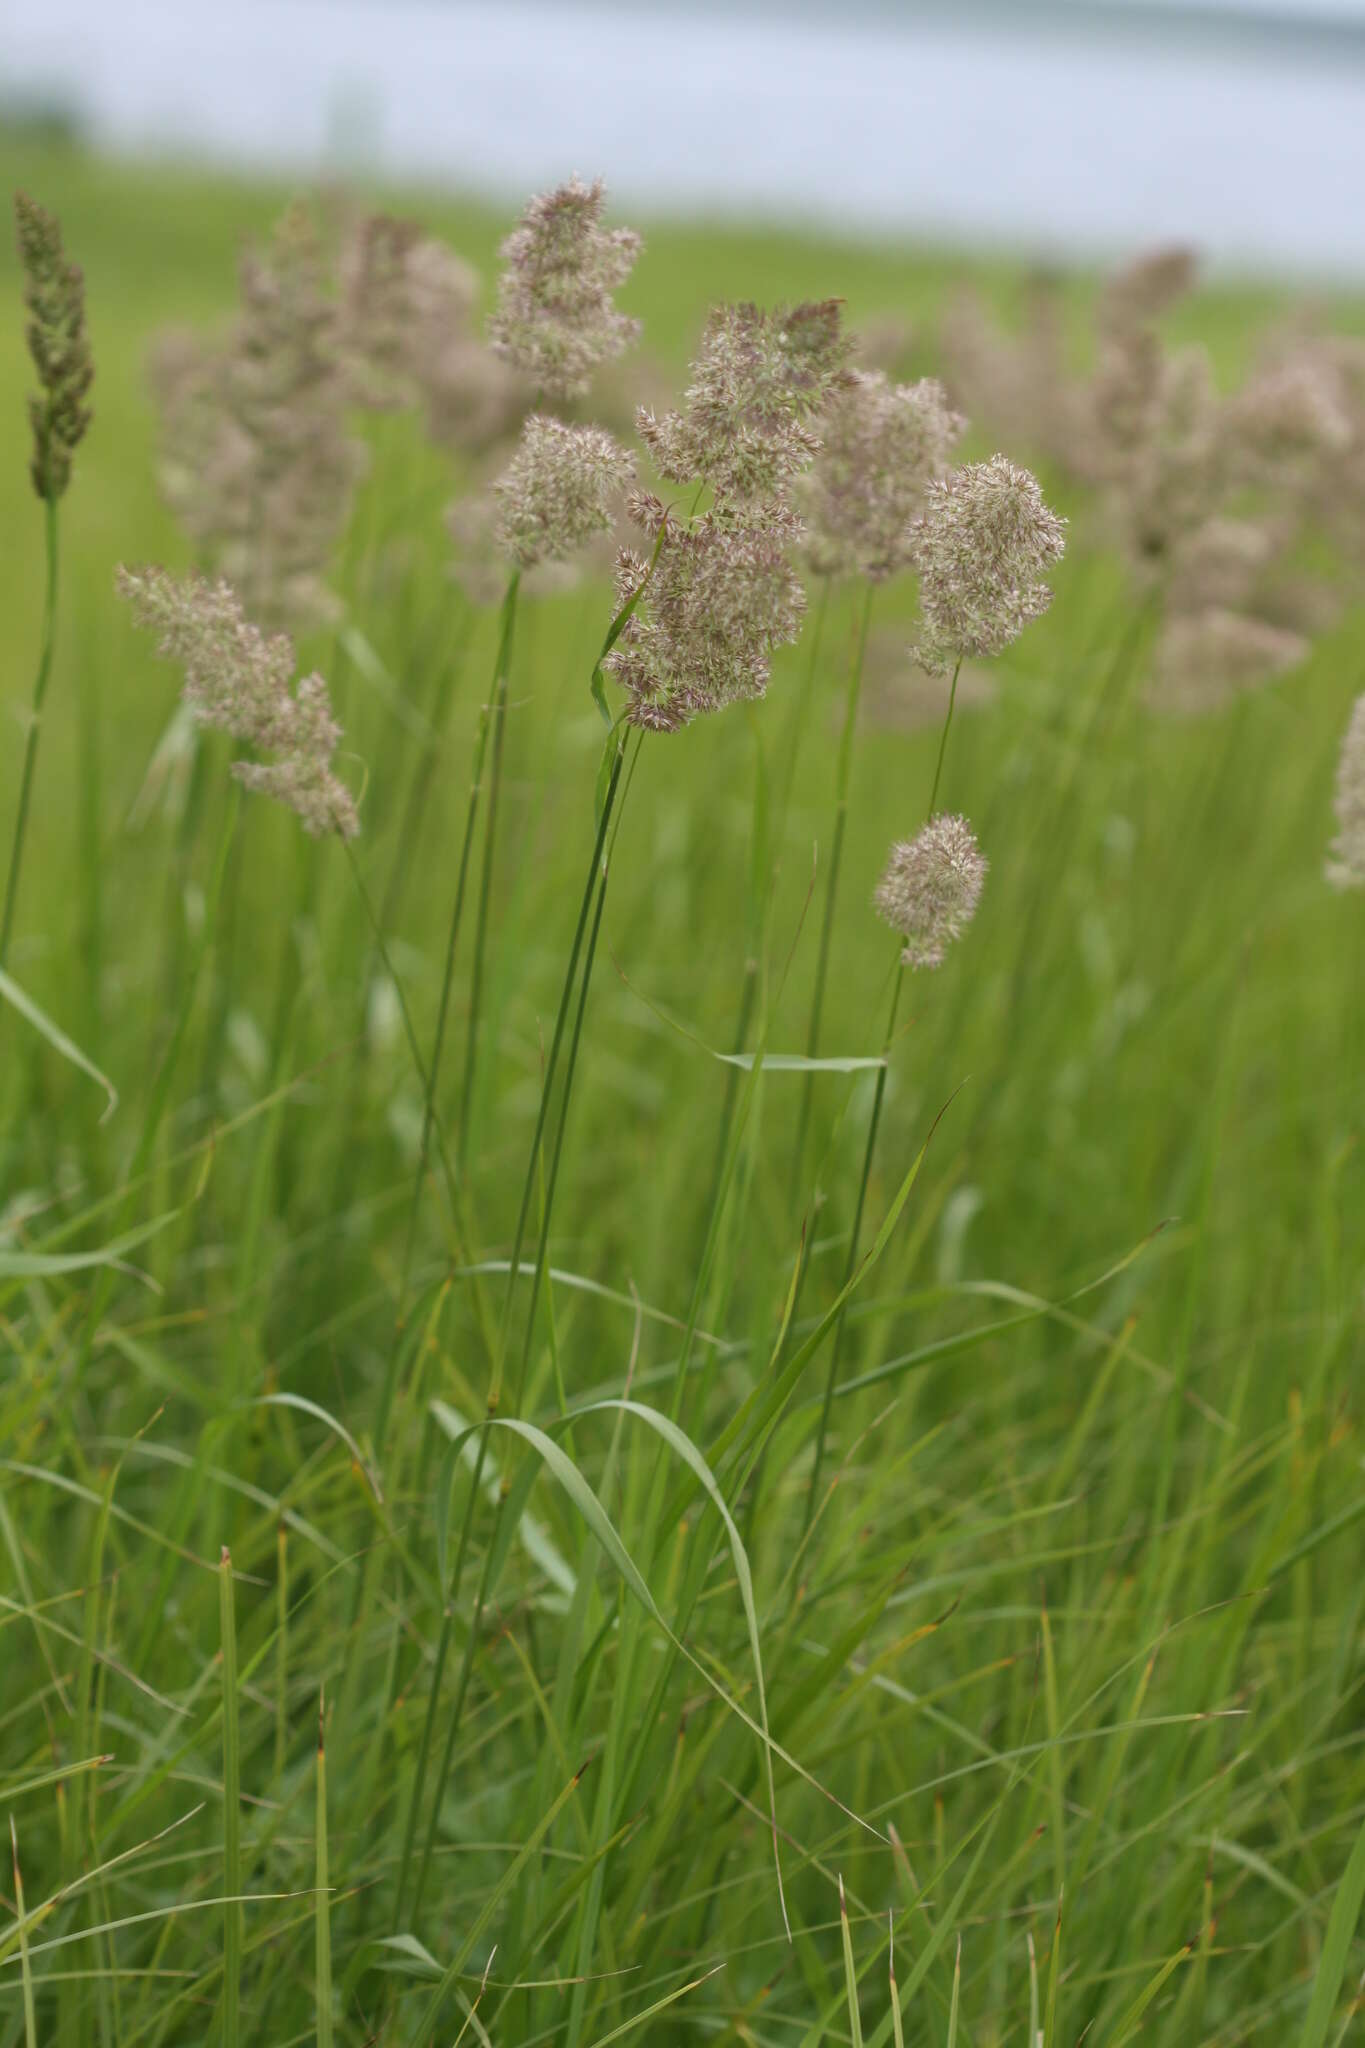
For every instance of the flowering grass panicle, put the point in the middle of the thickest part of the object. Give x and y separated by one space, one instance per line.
882 444
555 319
556 494
1204 659
721 596
404 299
1285 422
980 551
54 293
1145 288
241 681
759 383
1346 860
257 463
930 888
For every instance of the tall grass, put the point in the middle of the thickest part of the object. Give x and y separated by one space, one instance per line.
1059 1658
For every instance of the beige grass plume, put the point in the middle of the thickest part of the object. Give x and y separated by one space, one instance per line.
930 888
241 681
981 549
556 320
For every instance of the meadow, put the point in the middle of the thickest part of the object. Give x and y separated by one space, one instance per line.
332 1709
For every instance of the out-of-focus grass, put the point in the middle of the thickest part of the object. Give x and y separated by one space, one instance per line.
1082 1613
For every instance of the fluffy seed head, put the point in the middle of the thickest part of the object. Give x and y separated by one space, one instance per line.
242 681
555 319
404 297
1285 421
1212 656
54 293
980 550
1346 861
257 462
759 382
931 887
721 596
1147 287
556 493
882 443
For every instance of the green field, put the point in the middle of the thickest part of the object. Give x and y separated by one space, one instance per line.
1080 1616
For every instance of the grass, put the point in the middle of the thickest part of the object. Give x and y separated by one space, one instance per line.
1068 1651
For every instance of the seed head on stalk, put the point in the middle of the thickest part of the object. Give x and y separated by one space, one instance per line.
881 445
241 681
1346 862
721 596
759 383
555 319
980 550
54 293
930 888
555 495
257 462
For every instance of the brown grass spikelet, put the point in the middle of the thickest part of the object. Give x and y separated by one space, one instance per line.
54 294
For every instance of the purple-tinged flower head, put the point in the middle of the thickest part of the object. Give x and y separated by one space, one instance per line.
404 299
242 681
54 293
556 494
1346 860
555 320
759 383
881 446
257 462
721 596
930 888
1206 658
980 550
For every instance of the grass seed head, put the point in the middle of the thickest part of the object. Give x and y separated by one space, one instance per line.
930 888
759 383
556 494
882 444
54 293
555 320
980 550
1346 861
1207 658
241 681
722 595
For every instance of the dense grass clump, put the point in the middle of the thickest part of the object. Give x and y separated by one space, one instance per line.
649 1532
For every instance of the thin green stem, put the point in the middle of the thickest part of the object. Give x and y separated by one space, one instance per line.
843 777
850 1263
232 1812
596 886
943 742
170 1058
437 1050
48 642
498 713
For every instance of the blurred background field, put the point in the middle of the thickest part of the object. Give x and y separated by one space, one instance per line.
1082 1615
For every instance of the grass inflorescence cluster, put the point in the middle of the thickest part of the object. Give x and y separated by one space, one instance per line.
680 1212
